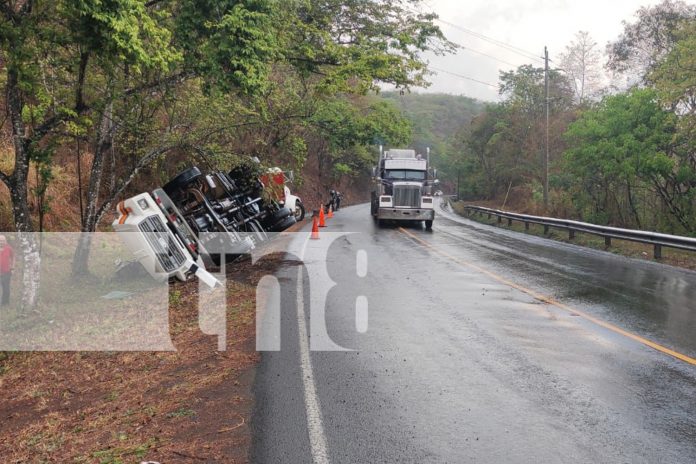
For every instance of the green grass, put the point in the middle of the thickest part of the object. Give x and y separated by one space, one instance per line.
181 412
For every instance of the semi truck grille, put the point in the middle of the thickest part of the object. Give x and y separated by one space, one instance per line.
407 196
162 243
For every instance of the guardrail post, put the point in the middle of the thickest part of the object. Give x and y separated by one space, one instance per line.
607 242
509 222
500 219
658 251
526 226
571 234
546 229
489 215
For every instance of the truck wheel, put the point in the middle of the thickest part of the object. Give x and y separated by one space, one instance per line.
428 225
181 181
280 220
299 211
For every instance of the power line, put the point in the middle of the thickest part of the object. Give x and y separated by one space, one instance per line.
463 77
512 48
469 49
499 43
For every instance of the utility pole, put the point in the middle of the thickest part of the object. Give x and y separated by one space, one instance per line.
546 159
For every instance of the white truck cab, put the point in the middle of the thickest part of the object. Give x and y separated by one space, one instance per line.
403 187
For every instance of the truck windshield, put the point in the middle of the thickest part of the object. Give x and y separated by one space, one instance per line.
404 175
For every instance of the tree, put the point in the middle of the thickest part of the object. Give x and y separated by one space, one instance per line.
349 133
645 42
628 142
226 45
353 45
675 81
581 63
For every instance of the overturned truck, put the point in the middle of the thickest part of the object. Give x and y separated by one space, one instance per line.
198 221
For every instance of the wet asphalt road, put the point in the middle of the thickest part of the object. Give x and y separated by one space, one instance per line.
458 366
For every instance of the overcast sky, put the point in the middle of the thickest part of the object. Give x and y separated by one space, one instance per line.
527 24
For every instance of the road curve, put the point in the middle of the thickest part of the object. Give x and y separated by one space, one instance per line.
468 359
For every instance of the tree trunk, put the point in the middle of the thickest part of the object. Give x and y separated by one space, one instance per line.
632 203
19 194
80 266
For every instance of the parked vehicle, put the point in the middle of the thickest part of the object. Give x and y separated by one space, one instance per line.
335 200
403 186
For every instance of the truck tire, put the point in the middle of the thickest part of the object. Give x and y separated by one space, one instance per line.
299 211
428 225
181 181
280 220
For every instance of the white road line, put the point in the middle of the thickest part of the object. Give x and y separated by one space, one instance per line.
317 438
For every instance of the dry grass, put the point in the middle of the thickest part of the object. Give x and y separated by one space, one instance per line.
188 406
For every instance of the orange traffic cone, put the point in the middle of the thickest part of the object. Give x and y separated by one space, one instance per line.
315 229
330 212
322 218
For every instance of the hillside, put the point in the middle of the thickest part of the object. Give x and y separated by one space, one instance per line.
436 119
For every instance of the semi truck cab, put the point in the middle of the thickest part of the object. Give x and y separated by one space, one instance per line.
403 187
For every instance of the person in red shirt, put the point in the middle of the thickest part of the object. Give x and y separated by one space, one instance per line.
7 263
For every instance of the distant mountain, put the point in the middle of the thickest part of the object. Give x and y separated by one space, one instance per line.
436 118
436 121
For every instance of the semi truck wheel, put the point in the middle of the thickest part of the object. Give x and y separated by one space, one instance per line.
299 211
181 181
428 225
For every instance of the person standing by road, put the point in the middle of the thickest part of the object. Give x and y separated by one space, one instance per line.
7 263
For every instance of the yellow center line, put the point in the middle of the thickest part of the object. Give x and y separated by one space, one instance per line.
553 302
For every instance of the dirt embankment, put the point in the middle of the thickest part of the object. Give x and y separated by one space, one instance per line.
193 405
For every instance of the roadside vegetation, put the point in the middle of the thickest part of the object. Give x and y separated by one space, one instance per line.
621 131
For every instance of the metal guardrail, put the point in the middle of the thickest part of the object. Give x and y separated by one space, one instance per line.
651 238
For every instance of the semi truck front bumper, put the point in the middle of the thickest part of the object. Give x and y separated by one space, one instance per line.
397 214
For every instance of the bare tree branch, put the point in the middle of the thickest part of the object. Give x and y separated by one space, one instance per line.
125 183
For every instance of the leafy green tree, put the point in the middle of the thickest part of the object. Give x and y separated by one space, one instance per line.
352 45
39 39
351 135
627 143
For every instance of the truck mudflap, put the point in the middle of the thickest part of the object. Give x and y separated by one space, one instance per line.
399 214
